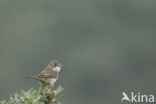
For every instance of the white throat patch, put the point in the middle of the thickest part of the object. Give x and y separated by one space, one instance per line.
57 69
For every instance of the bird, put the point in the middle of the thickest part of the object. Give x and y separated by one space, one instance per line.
49 74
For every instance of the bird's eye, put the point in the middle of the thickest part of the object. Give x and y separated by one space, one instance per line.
55 64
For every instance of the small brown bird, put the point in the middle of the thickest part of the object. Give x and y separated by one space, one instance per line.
49 75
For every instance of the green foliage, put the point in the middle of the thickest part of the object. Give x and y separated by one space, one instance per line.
43 95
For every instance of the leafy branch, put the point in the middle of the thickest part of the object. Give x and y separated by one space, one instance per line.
43 95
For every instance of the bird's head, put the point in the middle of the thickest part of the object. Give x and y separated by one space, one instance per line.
55 65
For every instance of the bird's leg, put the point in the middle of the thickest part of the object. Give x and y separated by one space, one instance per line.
52 88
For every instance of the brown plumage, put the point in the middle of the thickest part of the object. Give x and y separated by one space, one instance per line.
49 74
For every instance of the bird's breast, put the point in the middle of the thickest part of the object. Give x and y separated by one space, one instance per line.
52 81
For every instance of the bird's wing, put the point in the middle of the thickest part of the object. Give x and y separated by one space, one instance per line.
48 73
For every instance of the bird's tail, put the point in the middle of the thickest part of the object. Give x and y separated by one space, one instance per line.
36 78
30 77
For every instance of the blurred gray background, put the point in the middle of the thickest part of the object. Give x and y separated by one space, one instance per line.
106 47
